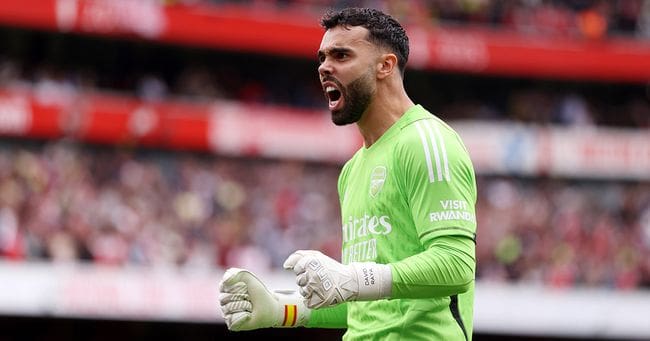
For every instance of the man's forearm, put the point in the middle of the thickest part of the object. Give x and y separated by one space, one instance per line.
333 317
445 268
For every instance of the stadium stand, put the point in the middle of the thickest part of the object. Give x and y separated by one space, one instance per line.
130 142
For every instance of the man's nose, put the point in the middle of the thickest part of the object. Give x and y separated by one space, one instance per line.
325 68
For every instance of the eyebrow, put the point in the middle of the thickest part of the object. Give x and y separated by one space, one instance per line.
334 50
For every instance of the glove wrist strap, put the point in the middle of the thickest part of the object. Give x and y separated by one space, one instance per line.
375 280
293 312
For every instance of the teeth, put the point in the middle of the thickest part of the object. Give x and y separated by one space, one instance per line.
330 88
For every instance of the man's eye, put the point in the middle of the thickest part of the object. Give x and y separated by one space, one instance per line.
341 55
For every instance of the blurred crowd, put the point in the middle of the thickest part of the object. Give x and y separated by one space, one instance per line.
583 19
564 233
268 81
48 60
64 202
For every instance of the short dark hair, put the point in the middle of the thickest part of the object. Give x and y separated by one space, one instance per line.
384 29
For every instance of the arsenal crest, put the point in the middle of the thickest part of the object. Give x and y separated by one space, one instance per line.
377 179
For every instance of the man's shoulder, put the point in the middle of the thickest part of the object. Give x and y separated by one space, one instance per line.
350 162
428 140
420 118
416 131
427 129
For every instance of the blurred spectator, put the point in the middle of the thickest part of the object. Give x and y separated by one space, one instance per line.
52 85
574 111
198 83
643 22
9 71
593 21
626 16
151 88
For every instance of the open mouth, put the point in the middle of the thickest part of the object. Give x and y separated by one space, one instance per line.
333 95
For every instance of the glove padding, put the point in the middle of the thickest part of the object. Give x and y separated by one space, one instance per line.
247 304
324 282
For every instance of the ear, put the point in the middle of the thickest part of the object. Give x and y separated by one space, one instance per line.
386 65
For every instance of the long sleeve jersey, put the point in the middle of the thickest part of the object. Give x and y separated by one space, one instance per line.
408 201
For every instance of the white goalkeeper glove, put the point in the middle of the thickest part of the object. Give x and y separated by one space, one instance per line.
325 282
247 304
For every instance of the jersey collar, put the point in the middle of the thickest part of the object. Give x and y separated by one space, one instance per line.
413 114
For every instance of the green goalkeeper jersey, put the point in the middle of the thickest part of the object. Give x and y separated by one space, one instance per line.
413 185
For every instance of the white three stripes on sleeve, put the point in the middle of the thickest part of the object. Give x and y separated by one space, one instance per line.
444 151
431 139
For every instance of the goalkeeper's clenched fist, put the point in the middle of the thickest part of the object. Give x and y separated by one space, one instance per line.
325 282
247 304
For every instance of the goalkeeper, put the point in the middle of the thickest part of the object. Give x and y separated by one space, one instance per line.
407 202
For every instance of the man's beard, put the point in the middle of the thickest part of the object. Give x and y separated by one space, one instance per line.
357 96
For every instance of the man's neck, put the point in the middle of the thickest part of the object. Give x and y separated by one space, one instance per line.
382 113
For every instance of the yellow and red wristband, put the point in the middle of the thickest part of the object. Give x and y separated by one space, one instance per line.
290 315
292 311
